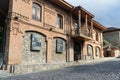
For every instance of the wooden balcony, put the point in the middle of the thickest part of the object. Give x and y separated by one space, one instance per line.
81 34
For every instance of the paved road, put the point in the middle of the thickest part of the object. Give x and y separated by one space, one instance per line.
108 70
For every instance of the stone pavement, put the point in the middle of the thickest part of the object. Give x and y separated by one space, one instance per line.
4 73
105 70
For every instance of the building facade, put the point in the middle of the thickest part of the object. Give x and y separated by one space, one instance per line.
50 31
111 51
112 35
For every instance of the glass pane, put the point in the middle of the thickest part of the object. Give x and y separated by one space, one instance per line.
96 36
88 32
75 25
38 15
33 13
59 21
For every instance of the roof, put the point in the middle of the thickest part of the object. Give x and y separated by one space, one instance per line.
98 25
63 4
83 9
69 7
110 46
111 29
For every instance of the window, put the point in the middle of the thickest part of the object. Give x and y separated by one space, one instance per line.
59 45
36 12
89 50
96 36
88 32
97 51
76 28
76 25
59 21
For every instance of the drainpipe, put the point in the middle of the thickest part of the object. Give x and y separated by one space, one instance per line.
79 21
79 26
69 35
6 41
7 32
69 38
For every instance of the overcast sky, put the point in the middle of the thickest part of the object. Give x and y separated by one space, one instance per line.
107 12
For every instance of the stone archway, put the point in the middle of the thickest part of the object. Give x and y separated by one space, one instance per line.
97 51
89 51
34 48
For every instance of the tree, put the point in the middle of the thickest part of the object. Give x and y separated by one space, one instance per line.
105 42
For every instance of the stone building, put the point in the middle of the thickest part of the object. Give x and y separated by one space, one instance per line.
48 31
112 35
111 51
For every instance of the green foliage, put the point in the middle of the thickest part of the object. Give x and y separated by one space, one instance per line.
105 42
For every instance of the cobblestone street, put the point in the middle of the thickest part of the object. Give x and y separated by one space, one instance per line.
107 70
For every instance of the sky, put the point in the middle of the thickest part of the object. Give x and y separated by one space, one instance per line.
106 12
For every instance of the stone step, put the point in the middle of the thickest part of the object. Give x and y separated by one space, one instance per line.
1 62
4 73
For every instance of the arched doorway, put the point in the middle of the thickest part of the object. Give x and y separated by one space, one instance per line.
78 50
97 52
89 51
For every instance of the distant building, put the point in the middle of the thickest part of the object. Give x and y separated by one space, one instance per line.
112 35
48 31
111 51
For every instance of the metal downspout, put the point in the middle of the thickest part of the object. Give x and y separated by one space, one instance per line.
7 26
79 28
69 35
69 39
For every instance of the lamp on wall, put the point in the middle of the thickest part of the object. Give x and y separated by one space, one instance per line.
50 29
16 17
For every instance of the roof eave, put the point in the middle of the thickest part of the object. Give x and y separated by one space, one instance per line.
84 10
63 3
98 25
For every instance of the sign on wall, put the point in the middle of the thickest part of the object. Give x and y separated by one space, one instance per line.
35 42
59 46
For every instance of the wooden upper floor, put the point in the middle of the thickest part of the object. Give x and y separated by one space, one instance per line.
56 15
